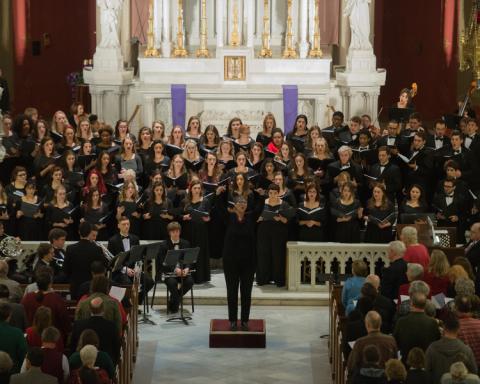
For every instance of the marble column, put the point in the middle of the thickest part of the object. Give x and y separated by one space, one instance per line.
220 4
303 44
250 11
157 23
166 41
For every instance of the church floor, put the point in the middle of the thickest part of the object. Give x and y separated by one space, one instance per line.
175 353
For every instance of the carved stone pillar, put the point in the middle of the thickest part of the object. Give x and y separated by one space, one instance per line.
220 4
303 44
166 41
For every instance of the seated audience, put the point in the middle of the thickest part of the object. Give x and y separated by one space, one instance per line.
33 372
414 272
88 371
441 354
381 304
13 286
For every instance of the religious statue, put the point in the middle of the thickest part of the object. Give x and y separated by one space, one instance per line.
359 15
109 16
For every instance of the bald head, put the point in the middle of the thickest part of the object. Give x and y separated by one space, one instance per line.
475 232
96 306
3 268
374 280
373 321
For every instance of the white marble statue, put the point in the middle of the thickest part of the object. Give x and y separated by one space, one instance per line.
109 19
358 13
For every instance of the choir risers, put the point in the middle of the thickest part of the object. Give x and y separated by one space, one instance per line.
326 253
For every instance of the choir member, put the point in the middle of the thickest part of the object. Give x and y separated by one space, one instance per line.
319 160
77 113
106 142
196 215
458 153
272 235
298 176
344 163
56 180
239 262
94 181
44 162
16 189
241 160
40 130
364 154
256 157
86 158
145 142
60 212
267 174
439 139
155 177
157 160
387 173
346 211
96 213
69 141
240 187
211 174
175 142
191 156
380 216
59 123
84 130
128 159
284 193
283 159
331 133
29 214
244 142
210 140
129 205
194 129
265 136
158 213
414 202
233 129
176 180
312 215
349 135
106 169
6 211
158 131
122 131
299 133
273 148
225 155
314 133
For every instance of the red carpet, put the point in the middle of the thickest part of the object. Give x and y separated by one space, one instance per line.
222 337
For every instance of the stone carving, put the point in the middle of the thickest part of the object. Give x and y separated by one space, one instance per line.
109 19
358 12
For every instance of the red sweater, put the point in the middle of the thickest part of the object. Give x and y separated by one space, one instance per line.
35 340
417 254
437 284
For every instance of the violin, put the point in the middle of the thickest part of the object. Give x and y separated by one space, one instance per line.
466 100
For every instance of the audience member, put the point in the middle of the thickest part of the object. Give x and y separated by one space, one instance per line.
13 286
88 355
33 373
381 304
395 371
41 321
415 252
414 273
441 354
436 275
6 365
394 275
11 338
416 362
458 374
469 331
353 285
370 370
17 318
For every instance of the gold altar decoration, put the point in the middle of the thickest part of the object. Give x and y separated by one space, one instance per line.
180 50
316 51
202 51
470 44
234 68
289 52
266 51
151 51
234 36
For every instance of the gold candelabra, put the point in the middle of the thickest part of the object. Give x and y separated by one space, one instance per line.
316 51
266 51
180 50
202 51
151 51
289 52
235 36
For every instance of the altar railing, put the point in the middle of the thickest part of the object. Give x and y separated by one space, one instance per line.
328 259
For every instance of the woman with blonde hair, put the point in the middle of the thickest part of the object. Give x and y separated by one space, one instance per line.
436 274
269 123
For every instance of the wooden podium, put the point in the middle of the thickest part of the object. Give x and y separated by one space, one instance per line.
448 239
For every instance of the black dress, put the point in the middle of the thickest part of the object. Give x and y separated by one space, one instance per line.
176 187
272 239
30 228
263 139
346 231
54 214
132 207
39 164
375 234
316 214
96 216
239 264
196 232
155 228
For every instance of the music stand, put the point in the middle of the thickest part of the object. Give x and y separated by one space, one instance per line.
182 257
144 253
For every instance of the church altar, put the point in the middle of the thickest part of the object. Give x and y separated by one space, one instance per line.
234 56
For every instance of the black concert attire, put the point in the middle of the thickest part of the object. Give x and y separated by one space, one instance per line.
423 173
95 216
39 164
151 166
176 187
453 204
239 264
346 231
319 214
30 228
195 231
78 259
172 283
390 175
355 171
296 141
263 139
272 239
376 216
55 216
131 208
155 228
436 142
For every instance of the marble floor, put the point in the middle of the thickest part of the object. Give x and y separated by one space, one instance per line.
295 353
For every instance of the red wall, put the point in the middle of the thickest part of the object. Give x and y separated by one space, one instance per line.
40 81
409 43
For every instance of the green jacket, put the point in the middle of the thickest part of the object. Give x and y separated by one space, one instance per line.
13 342
110 306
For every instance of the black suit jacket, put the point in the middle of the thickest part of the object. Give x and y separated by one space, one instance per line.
354 170
423 174
106 331
115 243
456 208
392 277
473 255
78 259
165 247
431 142
391 176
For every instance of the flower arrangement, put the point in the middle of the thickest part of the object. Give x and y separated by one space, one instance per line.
74 79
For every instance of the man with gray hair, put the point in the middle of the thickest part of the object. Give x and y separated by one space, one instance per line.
13 286
386 344
383 305
344 164
394 275
414 272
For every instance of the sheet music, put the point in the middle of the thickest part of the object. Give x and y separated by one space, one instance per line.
117 292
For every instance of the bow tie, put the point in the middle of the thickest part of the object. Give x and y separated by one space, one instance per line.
125 237
392 137
439 138
456 152
449 195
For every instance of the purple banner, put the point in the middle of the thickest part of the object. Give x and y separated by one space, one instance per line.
290 107
179 104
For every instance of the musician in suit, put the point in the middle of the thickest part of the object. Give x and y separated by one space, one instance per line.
175 242
45 258
349 135
387 173
123 242
57 238
79 257
472 252
459 153
450 208
345 164
439 139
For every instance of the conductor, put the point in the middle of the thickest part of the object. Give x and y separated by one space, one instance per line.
174 242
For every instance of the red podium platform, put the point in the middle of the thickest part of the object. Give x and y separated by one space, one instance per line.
222 337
